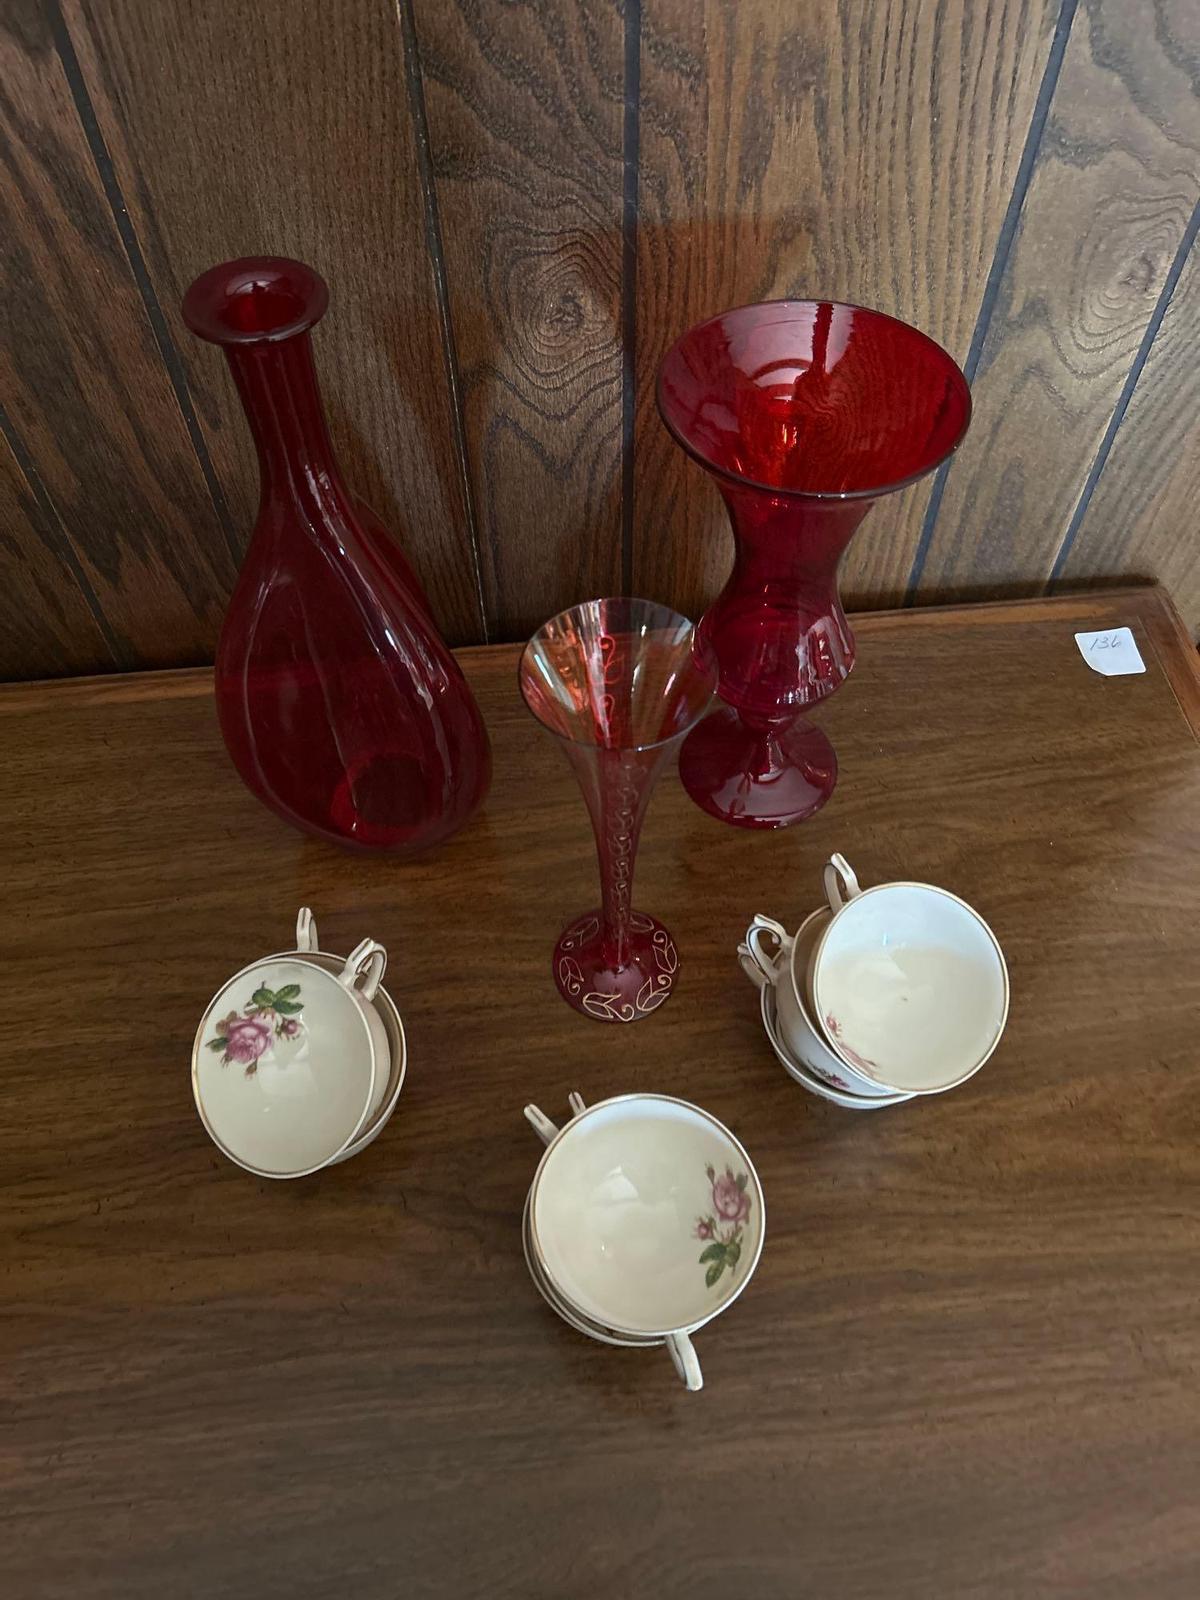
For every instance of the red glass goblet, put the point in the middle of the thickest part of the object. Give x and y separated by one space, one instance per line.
805 413
619 683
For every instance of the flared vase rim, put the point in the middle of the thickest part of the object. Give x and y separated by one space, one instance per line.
741 481
708 661
209 297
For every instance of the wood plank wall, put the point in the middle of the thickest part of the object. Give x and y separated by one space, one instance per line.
518 204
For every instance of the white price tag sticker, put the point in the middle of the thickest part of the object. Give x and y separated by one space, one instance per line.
1113 653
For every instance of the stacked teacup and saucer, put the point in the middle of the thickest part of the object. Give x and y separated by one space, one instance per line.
644 1221
881 995
300 1058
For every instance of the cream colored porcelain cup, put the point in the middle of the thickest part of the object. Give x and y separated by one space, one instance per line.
290 1061
647 1218
907 983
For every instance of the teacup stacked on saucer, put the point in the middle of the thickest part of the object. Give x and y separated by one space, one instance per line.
644 1221
299 1060
881 995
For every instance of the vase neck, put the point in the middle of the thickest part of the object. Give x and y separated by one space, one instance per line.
791 539
777 628
279 390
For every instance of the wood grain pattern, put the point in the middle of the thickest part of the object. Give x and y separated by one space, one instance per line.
1116 180
285 129
49 628
970 1349
862 154
524 107
465 173
82 379
1142 517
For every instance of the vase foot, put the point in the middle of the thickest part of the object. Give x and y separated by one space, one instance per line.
722 767
588 981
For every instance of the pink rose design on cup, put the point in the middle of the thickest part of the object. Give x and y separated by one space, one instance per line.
724 1224
246 1036
729 1202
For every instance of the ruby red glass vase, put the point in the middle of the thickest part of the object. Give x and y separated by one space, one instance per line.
805 413
618 683
340 704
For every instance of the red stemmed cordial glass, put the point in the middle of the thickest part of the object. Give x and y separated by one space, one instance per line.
618 682
805 412
341 706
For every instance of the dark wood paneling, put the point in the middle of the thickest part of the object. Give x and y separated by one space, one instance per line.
518 207
284 127
525 127
47 628
860 153
1144 516
82 378
1116 180
966 1366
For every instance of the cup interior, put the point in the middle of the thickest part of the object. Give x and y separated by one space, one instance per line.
284 1068
910 986
571 1314
647 1215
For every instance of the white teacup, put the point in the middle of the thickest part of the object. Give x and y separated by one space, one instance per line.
785 972
646 1217
907 983
291 1061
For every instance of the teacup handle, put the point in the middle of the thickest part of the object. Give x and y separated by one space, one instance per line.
367 960
306 931
541 1124
687 1364
761 968
841 884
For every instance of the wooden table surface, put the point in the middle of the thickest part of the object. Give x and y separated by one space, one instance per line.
969 1363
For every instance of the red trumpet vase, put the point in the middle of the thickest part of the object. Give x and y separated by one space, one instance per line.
805 413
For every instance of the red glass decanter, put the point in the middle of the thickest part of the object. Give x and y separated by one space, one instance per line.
805 413
341 706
